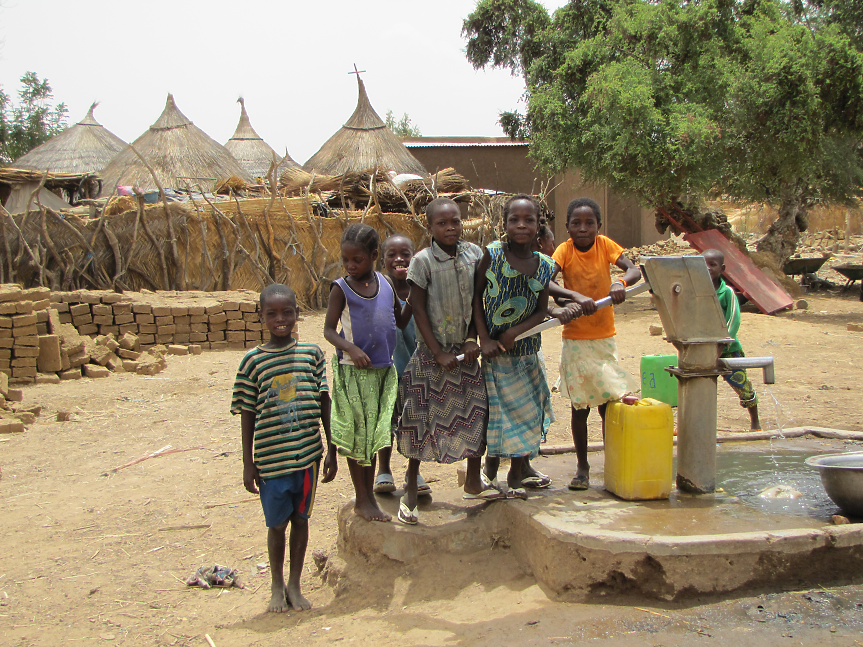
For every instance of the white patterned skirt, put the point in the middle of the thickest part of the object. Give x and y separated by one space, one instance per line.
591 374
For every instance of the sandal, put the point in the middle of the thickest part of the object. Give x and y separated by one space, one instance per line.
538 482
489 494
487 482
579 483
406 515
517 493
384 484
423 488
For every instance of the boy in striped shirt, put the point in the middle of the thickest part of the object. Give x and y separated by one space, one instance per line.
282 397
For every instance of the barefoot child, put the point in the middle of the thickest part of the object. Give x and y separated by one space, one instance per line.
365 383
738 380
443 401
281 395
511 296
589 365
396 252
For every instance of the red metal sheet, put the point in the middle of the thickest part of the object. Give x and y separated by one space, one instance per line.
742 273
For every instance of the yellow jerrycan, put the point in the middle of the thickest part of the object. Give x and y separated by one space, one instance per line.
639 447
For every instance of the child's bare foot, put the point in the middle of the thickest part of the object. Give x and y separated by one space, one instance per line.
278 603
292 592
370 511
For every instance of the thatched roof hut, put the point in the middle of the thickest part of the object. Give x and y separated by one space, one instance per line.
181 154
85 147
363 143
252 152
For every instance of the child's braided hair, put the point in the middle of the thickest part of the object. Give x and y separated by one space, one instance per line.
362 235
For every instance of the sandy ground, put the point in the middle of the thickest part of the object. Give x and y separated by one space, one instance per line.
88 558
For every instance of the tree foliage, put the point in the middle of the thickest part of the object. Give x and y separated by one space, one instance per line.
32 121
403 127
673 101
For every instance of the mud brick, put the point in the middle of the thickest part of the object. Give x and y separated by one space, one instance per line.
9 308
7 342
184 329
55 297
25 331
197 337
219 317
230 305
166 329
53 321
93 371
18 362
47 378
145 319
199 319
115 364
179 311
101 310
233 315
129 342
65 317
198 327
126 318
60 307
127 328
122 309
197 310
146 338
10 292
6 370
164 339
71 374
236 335
42 316
103 320
109 330
34 294
5 322
24 374
150 329
164 320
65 365
236 345
218 345
236 324
88 329
15 395
177 349
182 319
125 353
112 298
41 328
82 320
90 297
130 365
29 340
213 308
5 333
100 354
11 426
182 337
142 308
6 353
44 304
20 321
216 335
251 344
254 325
78 359
250 316
109 341
27 351
162 311
70 297
24 307
79 309
219 326
248 306
194 349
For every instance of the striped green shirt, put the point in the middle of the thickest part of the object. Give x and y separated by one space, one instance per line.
283 388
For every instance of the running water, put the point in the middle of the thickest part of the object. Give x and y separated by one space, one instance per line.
781 421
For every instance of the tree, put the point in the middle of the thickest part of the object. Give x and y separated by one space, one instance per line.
403 127
675 101
30 123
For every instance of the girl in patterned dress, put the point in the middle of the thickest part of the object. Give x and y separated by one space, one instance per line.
511 296
365 383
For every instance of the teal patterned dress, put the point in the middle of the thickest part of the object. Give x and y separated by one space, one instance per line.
518 397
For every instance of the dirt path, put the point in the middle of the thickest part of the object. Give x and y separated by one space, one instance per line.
88 558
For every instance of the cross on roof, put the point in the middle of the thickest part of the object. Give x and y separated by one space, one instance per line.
356 71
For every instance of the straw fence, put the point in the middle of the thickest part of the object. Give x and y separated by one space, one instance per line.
202 245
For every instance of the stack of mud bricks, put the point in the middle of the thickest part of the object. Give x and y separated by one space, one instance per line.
23 319
170 318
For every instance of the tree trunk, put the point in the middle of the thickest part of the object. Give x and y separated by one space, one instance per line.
783 235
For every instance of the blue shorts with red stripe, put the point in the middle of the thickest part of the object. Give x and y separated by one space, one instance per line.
284 495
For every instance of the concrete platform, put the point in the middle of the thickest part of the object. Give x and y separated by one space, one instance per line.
579 544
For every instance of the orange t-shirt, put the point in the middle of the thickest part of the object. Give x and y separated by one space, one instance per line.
589 273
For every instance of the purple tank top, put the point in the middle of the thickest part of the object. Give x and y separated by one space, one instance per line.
369 323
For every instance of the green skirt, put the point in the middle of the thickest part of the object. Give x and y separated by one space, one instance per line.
362 411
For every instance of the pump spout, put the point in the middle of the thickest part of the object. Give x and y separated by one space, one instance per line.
765 363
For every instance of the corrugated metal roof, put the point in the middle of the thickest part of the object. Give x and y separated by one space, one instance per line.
463 144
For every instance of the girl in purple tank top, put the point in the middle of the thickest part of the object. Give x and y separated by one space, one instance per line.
365 382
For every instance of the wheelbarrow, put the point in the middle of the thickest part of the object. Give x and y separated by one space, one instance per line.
850 272
804 266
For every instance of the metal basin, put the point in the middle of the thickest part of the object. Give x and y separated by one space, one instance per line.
842 477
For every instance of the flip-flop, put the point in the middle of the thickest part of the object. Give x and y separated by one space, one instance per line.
384 484
423 488
537 482
489 494
406 514
579 483
487 482
517 493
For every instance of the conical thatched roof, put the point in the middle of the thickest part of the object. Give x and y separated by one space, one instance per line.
85 147
180 153
252 152
364 142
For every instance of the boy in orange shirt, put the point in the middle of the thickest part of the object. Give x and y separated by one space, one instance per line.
589 364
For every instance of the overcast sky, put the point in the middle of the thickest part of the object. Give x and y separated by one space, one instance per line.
289 60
